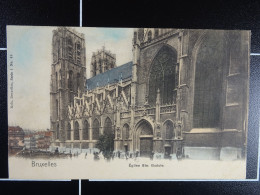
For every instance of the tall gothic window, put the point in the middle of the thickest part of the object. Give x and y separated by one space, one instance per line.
208 81
78 53
108 126
135 37
70 80
69 132
85 130
60 79
162 76
94 69
76 131
58 132
70 49
57 109
95 133
78 81
149 36
100 66
126 131
156 32
168 128
56 80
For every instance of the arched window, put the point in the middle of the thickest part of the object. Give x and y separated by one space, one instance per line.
135 37
100 66
126 131
58 132
58 48
146 128
78 81
78 53
69 132
85 130
60 79
70 49
149 36
162 76
94 69
95 130
57 109
108 126
76 131
169 131
208 81
156 32
56 80
70 80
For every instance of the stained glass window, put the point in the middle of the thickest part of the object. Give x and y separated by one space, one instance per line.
162 76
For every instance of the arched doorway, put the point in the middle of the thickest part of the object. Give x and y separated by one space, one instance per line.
145 138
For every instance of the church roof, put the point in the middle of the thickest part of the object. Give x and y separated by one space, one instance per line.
111 76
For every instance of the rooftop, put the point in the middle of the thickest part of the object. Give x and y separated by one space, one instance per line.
114 75
15 128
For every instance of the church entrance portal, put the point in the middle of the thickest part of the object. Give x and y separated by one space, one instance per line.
146 146
146 139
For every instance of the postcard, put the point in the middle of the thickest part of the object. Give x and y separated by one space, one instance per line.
127 103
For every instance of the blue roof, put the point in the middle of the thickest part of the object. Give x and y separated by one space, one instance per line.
114 75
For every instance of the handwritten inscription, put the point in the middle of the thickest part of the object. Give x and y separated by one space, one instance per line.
11 80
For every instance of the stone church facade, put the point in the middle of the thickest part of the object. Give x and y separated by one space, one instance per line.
185 91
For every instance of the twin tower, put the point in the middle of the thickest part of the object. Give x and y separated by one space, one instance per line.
68 73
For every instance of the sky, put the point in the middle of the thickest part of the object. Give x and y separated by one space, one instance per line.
31 50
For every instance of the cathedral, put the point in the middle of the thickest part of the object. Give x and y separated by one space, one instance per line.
184 92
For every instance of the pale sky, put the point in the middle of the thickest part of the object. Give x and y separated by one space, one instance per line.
31 50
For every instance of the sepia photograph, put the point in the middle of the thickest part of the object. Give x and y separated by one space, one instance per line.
127 103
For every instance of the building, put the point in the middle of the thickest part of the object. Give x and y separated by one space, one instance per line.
184 93
102 61
15 138
30 142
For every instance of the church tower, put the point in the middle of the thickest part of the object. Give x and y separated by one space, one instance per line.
102 61
68 73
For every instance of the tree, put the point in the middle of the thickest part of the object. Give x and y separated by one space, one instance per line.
105 144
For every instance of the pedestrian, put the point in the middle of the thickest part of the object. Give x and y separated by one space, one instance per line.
137 153
151 156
